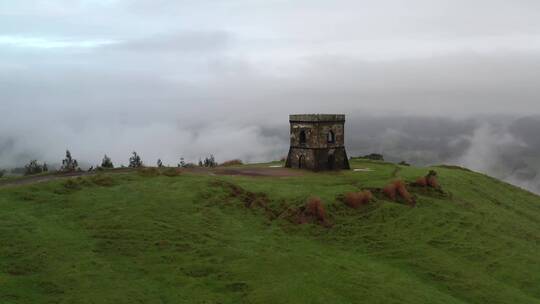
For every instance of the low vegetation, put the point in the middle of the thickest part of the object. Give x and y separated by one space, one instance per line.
143 236
34 167
208 162
398 190
107 162
135 161
372 156
69 164
357 199
233 162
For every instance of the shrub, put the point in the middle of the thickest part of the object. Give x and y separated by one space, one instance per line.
135 161
2 172
433 182
357 199
233 162
183 164
149 171
404 163
402 190
315 208
106 162
102 180
398 188
72 184
69 164
33 167
430 180
390 191
373 156
421 181
172 172
209 162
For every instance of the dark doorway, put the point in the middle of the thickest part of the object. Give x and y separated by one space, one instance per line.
331 161
301 162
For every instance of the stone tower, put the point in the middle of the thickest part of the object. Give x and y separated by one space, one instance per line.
317 142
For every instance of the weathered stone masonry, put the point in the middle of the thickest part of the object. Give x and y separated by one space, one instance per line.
317 142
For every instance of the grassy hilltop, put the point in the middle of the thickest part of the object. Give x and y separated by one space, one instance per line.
191 238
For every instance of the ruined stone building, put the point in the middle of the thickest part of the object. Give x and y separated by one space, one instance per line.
317 142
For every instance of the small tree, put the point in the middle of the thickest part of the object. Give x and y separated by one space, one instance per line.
210 162
135 161
33 167
106 162
159 163
69 164
45 168
184 164
2 172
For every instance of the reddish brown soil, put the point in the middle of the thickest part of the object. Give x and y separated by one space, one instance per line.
273 172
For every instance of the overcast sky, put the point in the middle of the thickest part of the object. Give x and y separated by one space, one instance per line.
188 78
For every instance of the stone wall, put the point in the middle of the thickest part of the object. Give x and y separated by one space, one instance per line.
318 159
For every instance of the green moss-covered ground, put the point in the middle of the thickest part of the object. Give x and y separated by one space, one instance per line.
145 238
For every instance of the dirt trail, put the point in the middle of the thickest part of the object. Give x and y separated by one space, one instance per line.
41 178
253 172
259 171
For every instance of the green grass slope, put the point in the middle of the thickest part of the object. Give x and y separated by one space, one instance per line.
140 238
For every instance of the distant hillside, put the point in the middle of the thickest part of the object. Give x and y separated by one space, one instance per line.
231 236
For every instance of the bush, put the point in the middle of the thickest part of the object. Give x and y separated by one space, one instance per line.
398 188
357 199
135 161
183 164
430 180
172 172
315 208
102 180
373 156
209 162
72 184
433 182
106 162
2 172
33 167
149 172
69 164
233 162
421 181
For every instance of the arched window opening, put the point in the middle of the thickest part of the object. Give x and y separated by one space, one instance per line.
330 137
301 162
302 137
